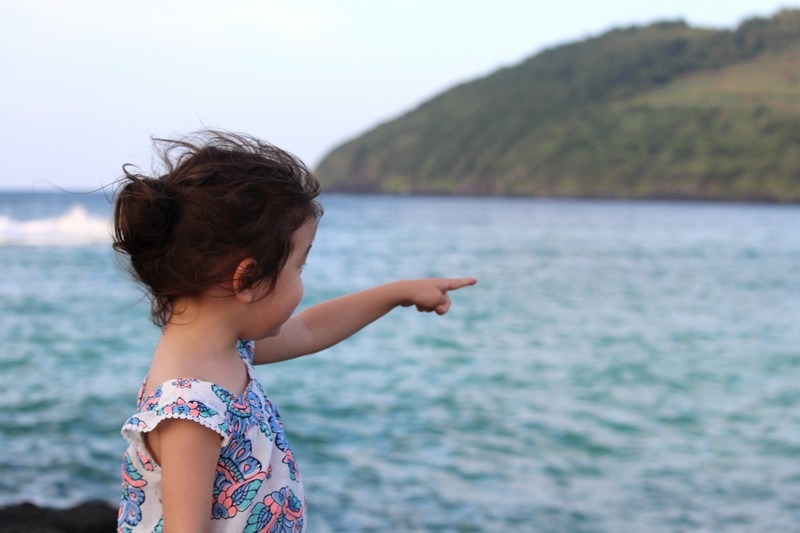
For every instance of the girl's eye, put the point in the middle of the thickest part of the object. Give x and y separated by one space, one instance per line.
303 266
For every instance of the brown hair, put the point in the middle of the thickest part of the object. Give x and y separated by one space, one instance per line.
222 198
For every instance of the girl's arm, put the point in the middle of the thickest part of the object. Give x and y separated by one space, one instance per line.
188 454
330 322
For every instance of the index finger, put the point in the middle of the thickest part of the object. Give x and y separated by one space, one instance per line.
451 284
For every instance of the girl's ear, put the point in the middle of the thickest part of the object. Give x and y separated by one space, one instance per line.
243 294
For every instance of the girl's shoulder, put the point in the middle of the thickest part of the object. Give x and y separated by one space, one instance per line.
233 378
193 398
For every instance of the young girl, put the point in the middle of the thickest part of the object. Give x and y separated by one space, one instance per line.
219 241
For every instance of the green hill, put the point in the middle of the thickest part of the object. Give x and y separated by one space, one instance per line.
662 111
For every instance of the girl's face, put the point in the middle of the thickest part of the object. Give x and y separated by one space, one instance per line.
272 311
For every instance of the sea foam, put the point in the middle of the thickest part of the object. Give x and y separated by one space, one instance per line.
75 227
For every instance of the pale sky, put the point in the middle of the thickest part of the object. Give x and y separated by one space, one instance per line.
84 84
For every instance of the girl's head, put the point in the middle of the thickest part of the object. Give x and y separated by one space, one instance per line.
222 198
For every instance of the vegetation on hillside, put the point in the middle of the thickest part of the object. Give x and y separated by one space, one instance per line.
663 111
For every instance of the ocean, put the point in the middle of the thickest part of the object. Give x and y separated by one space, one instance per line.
620 366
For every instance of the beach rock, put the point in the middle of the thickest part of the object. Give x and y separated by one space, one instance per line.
89 517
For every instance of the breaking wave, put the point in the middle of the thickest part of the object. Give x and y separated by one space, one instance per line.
75 227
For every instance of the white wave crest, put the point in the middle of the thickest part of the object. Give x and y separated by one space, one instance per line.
75 227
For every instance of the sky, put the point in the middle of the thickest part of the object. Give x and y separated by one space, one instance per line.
85 84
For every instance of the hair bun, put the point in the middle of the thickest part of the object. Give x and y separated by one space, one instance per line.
164 198
145 213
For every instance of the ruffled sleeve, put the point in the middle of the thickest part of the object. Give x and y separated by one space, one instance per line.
187 399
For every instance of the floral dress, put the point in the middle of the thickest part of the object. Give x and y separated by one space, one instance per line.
257 487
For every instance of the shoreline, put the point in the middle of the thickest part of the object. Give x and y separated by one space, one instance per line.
88 517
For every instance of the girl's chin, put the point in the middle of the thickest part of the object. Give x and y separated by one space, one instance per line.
272 333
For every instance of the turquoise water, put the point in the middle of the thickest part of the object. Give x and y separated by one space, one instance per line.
619 366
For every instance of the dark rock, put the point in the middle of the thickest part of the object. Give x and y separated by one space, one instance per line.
89 517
